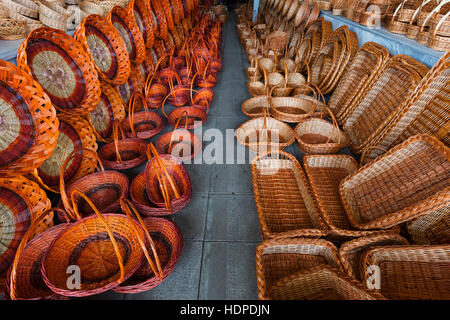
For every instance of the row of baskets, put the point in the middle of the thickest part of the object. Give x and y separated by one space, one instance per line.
101 233
331 228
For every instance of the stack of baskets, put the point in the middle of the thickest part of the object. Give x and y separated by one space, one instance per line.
333 229
99 87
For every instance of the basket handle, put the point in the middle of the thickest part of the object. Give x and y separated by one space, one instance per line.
397 10
161 170
22 245
335 125
285 74
438 26
131 108
418 11
176 125
129 209
103 221
34 175
432 13
62 186
116 128
318 95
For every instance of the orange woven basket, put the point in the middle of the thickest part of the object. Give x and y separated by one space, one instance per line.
103 188
283 198
159 19
36 123
22 203
134 84
144 21
167 9
124 22
89 243
278 258
24 279
75 134
63 69
105 47
108 109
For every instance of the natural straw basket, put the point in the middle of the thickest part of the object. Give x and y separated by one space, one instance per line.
319 136
109 108
283 198
124 22
320 283
325 172
24 279
437 41
167 183
75 134
88 243
278 258
377 106
422 188
410 272
264 134
122 154
22 203
11 29
351 251
37 127
105 48
254 107
180 143
368 61
144 124
63 68
91 8
24 7
167 245
430 229
104 189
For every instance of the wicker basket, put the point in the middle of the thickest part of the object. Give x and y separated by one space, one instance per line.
180 143
109 108
104 189
144 21
37 126
166 245
410 272
88 243
409 181
254 107
278 258
325 172
75 134
23 202
377 106
122 154
302 13
423 111
24 7
320 283
24 280
124 22
67 79
430 229
167 183
157 13
11 29
437 40
97 35
368 61
144 124
283 198
351 251
264 134
319 136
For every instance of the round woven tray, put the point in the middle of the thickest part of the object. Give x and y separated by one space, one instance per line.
105 47
28 142
63 68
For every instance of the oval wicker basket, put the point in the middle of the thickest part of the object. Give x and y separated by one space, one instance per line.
63 68
105 48
124 22
36 124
